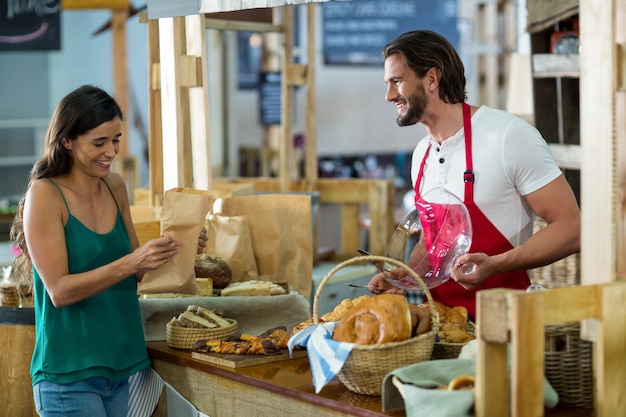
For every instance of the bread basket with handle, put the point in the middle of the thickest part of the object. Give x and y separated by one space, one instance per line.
184 337
367 365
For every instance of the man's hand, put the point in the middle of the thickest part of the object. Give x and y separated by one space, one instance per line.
204 237
379 284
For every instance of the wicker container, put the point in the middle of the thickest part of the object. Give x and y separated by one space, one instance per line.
568 365
451 350
367 365
185 337
562 273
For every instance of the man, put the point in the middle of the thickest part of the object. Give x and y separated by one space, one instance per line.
497 164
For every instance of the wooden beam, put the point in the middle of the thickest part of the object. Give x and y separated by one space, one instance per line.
176 133
620 137
220 24
155 135
597 121
95 4
198 97
120 73
285 151
311 163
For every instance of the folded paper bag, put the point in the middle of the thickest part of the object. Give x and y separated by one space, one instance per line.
182 218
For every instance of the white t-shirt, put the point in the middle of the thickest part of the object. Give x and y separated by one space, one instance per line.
510 159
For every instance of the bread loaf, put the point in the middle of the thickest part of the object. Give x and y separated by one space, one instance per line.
380 319
214 267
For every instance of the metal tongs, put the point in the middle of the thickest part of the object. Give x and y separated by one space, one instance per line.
378 265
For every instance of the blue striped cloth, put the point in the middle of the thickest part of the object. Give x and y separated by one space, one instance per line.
145 388
326 356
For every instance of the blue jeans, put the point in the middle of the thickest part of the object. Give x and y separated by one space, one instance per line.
91 397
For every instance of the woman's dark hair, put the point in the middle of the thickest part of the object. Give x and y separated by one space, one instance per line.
423 50
77 113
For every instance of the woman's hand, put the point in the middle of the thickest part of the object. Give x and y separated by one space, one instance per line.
155 253
379 284
202 240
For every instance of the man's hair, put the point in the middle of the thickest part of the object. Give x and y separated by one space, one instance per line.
425 49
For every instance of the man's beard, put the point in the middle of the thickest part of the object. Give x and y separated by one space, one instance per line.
416 105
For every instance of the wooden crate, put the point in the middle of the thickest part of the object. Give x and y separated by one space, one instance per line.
519 319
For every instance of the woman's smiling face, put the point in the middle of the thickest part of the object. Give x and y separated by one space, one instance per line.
94 151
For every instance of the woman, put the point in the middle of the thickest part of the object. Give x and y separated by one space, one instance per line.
74 227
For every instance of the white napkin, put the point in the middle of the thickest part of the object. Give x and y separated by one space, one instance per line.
145 390
326 356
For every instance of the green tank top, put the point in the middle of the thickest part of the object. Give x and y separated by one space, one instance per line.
99 336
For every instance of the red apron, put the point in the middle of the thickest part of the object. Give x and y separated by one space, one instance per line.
486 238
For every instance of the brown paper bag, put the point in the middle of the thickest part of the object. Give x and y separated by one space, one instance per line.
182 217
229 238
282 235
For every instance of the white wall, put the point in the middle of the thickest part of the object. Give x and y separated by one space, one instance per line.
88 59
352 115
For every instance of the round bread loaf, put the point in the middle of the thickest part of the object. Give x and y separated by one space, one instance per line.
381 319
214 267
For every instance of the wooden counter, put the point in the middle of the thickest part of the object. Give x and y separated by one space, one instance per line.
275 389
17 340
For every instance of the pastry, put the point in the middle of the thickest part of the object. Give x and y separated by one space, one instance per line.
461 382
381 319
420 319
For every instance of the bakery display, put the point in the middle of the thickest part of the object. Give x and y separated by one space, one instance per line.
269 343
420 316
214 267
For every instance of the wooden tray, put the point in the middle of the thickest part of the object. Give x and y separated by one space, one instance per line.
239 361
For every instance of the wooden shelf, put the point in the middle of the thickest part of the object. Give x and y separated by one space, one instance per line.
556 65
566 156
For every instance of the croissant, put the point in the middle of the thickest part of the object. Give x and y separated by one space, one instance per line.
258 346
278 335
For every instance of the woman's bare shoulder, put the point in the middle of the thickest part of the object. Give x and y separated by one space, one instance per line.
43 187
44 196
117 185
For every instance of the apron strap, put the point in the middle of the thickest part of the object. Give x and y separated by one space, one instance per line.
468 175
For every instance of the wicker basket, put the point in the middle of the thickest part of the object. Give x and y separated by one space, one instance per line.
451 350
568 365
184 337
367 365
562 273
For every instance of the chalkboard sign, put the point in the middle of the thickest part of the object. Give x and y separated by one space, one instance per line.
356 31
269 98
30 25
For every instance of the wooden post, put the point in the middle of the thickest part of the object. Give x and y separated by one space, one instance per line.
492 378
599 204
155 157
176 134
620 136
120 73
310 165
286 144
185 101
197 90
